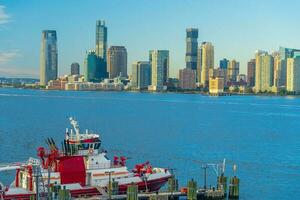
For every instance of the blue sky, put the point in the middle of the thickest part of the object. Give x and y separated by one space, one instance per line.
236 28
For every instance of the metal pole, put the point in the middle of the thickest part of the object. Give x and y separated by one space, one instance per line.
205 175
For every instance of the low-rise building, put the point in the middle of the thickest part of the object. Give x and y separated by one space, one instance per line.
216 85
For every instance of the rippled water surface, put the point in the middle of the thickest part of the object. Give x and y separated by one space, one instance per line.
260 134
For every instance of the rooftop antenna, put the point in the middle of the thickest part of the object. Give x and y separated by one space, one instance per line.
234 169
223 166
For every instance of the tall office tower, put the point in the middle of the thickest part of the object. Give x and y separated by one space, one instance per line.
159 69
293 74
141 75
233 70
94 67
264 72
101 39
199 64
224 63
75 69
117 61
207 62
279 70
48 57
191 48
187 79
251 73
164 54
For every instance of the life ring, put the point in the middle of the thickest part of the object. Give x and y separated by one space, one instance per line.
91 151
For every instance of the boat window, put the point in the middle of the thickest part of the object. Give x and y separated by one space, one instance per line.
91 146
85 146
97 145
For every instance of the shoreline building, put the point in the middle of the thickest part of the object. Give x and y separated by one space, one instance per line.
233 70
191 48
94 67
75 68
48 57
141 75
187 79
293 75
207 62
216 85
117 61
251 73
159 69
264 72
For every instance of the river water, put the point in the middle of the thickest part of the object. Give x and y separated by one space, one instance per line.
261 135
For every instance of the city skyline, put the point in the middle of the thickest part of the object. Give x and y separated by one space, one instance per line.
235 35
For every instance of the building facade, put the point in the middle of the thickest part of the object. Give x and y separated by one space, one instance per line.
224 63
279 70
233 70
191 48
264 72
187 79
75 68
117 61
159 69
207 62
48 57
141 75
101 39
293 74
94 67
216 85
251 73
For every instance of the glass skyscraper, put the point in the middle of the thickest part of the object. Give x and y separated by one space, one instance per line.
117 61
191 48
94 67
101 39
48 57
224 63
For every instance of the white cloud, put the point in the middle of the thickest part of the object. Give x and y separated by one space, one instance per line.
4 17
5 57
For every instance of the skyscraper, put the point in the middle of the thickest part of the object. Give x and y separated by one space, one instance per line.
207 62
233 70
101 39
199 64
141 75
117 61
224 63
286 53
165 54
75 69
191 48
94 67
279 70
264 72
159 69
251 73
293 74
48 57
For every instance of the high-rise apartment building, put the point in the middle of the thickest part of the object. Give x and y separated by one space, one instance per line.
207 62
187 79
94 67
264 72
279 70
75 68
141 74
101 39
251 73
233 70
117 61
191 48
159 69
293 75
48 57
224 63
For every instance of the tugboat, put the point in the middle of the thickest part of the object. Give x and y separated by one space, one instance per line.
80 166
